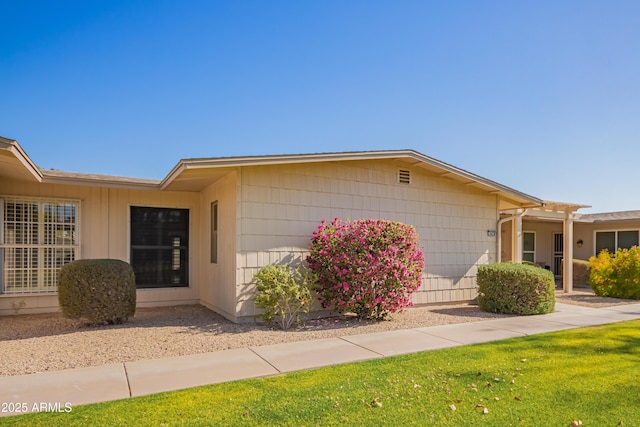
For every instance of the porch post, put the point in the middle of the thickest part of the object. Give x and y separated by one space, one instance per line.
516 247
567 262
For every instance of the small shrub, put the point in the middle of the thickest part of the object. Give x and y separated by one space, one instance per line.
367 267
616 276
515 289
100 290
283 293
581 271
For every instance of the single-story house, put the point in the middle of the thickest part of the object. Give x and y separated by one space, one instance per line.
200 234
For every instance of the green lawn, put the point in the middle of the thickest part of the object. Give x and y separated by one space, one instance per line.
590 375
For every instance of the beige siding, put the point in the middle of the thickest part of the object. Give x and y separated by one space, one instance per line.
104 233
218 286
280 207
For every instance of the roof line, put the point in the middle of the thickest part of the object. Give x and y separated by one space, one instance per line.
219 162
60 177
14 147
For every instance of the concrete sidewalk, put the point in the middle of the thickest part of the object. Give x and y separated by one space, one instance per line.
59 391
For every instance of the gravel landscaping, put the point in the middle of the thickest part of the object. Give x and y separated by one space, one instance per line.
49 342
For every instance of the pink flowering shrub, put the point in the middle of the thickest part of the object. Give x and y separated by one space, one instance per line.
368 267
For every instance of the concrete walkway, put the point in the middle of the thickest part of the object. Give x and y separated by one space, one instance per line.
58 391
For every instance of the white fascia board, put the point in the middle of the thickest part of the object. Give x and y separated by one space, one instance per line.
328 157
14 147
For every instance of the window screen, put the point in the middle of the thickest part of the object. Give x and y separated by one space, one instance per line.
160 246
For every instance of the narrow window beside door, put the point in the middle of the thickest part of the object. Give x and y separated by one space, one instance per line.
214 232
529 246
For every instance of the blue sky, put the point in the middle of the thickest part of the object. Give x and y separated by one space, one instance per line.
542 96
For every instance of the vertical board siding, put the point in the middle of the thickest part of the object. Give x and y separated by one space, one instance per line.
104 233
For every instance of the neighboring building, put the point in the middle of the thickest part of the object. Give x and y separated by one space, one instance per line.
200 234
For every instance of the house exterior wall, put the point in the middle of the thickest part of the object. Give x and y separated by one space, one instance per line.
104 233
587 233
279 207
218 287
544 231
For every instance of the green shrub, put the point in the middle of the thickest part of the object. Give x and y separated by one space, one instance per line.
283 293
616 276
100 290
581 271
515 289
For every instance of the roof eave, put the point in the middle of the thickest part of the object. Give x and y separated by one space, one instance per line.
520 198
50 177
16 150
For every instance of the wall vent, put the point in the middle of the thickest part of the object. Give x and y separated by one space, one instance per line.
404 176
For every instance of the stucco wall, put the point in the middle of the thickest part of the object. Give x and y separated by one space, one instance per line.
279 207
544 231
104 233
587 232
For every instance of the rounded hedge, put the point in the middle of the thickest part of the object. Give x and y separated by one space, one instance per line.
100 290
369 267
515 289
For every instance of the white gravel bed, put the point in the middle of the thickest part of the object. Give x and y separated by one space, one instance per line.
49 342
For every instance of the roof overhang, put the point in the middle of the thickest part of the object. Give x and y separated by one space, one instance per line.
552 211
15 164
95 180
612 217
196 174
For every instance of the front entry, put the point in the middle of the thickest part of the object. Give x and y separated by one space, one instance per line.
558 242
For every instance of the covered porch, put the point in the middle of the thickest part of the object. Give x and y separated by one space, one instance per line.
541 235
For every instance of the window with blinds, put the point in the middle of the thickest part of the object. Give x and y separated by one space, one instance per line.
37 237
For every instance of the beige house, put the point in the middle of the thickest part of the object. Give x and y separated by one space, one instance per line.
199 235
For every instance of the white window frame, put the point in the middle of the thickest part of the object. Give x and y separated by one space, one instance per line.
41 259
534 246
615 232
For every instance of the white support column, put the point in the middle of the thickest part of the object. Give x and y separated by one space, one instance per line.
516 248
567 266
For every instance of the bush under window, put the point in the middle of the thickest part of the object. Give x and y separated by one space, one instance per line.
618 275
100 290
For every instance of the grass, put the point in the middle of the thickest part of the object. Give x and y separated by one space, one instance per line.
589 375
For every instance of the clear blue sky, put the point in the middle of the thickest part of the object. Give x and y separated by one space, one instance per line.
542 96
